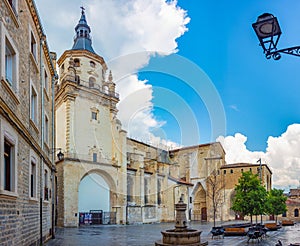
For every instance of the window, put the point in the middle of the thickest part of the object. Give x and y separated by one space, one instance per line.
130 187
94 115
224 171
94 157
76 62
8 159
8 165
46 189
159 200
284 214
33 179
242 170
10 63
62 68
92 82
33 46
46 80
231 170
46 130
9 59
250 169
33 105
92 64
296 212
146 189
77 79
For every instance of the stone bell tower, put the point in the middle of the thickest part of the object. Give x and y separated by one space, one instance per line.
87 129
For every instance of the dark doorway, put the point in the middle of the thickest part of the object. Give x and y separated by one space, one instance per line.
204 214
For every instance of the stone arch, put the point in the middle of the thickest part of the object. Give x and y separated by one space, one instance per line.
107 177
199 204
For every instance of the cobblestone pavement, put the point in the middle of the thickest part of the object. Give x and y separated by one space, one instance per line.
147 234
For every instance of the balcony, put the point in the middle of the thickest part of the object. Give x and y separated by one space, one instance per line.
90 85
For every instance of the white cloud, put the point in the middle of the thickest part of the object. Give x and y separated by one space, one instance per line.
282 155
119 29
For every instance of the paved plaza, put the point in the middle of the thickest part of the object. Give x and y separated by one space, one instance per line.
147 234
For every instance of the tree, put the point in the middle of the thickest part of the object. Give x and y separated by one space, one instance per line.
215 191
251 196
276 202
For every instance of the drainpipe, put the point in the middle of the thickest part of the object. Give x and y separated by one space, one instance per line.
42 40
54 78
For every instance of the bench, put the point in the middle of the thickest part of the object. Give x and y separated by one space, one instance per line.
217 231
287 223
272 226
234 231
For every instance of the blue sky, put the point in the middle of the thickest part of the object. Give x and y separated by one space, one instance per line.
207 77
260 96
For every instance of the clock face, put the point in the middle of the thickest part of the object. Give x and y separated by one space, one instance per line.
266 28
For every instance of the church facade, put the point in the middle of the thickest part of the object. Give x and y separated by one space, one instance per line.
142 182
77 115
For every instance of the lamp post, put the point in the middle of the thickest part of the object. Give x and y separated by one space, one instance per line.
268 32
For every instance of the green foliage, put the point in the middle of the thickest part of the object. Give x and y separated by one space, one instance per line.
276 202
251 196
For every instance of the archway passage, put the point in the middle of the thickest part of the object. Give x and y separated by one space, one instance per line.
199 205
93 199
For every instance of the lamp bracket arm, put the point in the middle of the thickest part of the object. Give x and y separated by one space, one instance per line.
295 51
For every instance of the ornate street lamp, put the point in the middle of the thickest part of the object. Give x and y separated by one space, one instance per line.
268 32
60 155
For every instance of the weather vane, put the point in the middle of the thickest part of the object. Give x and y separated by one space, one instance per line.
82 9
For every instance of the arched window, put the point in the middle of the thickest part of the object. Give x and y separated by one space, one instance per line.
92 64
92 82
296 212
105 89
76 62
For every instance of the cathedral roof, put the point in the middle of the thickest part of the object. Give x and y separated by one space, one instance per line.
83 40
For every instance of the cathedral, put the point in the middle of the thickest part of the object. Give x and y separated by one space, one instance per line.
142 182
65 159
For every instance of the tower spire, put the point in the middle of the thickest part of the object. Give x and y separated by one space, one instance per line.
83 40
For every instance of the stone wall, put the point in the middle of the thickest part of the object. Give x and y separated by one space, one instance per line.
19 209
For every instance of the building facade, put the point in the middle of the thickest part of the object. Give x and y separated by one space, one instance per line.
88 130
293 206
140 183
26 133
231 174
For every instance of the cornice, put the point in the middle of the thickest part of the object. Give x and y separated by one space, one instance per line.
82 53
42 35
